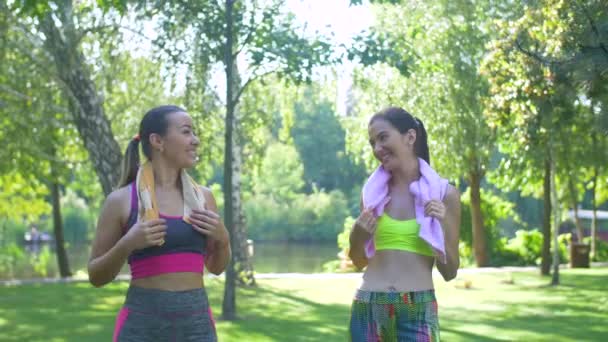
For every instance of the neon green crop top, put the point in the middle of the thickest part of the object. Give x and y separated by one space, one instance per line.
400 235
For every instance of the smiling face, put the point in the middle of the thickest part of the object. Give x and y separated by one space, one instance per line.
180 142
391 147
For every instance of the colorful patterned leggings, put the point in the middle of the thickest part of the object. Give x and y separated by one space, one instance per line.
157 315
394 316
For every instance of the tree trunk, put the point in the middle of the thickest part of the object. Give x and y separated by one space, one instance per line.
62 256
556 218
242 263
86 104
596 172
574 202
240 267
545 266
229 303
480 238
594 220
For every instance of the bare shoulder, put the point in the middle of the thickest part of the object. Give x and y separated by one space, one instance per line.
118 203
120 196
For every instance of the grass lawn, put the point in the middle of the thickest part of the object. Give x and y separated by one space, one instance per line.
493 309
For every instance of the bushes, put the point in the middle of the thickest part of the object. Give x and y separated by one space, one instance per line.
343 264
278 210
11 256
78 219
314 217
601 249
526 247
15 262
494 210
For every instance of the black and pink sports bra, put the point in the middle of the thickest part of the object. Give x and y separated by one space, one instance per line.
184 249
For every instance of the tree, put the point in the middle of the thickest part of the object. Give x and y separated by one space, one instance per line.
533 105
599 156
38 148
56 40
268 45
582 27
281 173
42 136
21 197
38 139
320 140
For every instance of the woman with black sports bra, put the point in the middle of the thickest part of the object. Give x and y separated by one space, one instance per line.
168 230
409 222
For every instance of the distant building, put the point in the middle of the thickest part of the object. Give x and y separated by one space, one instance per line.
586 217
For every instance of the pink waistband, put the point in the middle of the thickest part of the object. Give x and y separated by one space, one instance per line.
167 263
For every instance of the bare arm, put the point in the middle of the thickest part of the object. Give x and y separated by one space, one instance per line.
361 232
110 248
218 239
356 252
109 251
451 231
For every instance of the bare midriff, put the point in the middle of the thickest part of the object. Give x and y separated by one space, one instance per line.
398 271
179 281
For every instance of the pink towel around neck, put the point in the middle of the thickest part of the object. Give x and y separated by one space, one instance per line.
429 186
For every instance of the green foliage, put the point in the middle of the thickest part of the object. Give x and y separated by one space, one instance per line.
41 142
527 245
266 36
11 256
344 236
378 47
41 261
78 219
533 103
281 173
495 209
359 2
308 217
320 140
601 248
216 189
277 40
522 250
278 210
525 249
343 263
465 251
15 262
22 197
441 44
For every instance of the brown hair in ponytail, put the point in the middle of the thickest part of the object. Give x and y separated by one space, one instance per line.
130 163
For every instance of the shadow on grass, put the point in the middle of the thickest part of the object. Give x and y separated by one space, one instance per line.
525 311
74 312
270 314
78 312
576 310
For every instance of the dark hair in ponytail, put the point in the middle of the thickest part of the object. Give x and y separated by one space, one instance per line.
130 163
155 121
404 121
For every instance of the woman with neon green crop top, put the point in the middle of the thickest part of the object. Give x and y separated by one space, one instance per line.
396 300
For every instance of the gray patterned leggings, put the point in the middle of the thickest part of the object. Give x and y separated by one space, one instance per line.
158 315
